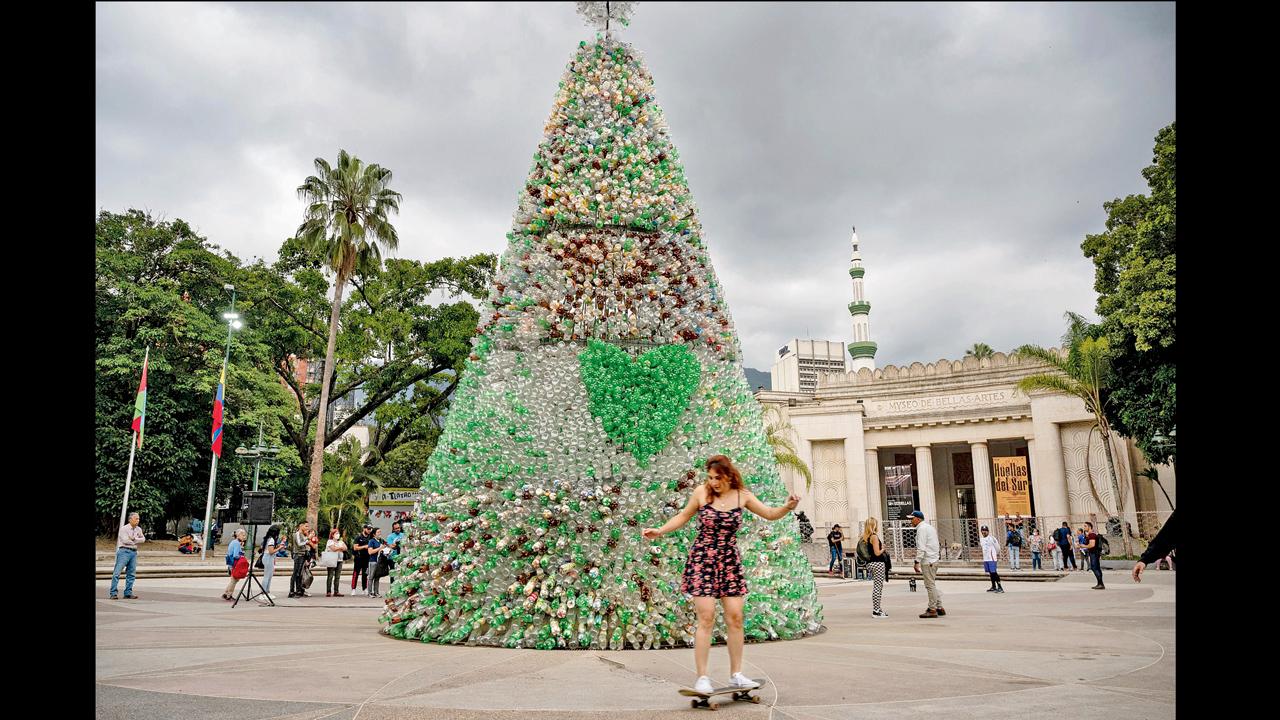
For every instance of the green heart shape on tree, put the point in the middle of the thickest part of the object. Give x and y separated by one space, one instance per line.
639 400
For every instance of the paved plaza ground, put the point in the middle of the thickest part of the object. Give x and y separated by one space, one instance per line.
1050 649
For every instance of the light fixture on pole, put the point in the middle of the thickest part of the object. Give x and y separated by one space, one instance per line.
257 453
233 323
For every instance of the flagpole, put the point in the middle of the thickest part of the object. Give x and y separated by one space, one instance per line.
124 506
213 471
134 442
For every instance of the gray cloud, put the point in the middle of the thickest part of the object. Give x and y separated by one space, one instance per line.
972 145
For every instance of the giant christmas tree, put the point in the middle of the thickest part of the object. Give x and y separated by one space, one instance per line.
605 371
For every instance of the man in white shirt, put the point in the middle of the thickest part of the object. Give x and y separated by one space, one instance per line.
990 553
928 552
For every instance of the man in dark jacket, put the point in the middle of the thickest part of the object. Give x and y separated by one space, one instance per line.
1062 536
1165 542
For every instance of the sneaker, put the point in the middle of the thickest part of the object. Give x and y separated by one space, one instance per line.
991 589
305 594
114 597
328 594
130 597
1000 589
337 594
879 614
703 685
941 612
742 681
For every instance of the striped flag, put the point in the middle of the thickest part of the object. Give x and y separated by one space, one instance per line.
140 403
217 416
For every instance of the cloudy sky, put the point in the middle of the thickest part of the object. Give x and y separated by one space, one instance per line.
972 145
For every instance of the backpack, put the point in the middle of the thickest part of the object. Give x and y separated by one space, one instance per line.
1104 547
864 551
1014 538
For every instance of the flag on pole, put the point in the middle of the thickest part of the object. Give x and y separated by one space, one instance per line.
140 403
217 416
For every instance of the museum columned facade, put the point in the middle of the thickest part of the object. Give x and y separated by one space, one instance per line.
958 441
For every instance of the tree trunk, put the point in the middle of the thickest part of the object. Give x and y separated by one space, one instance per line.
317 449
1115 487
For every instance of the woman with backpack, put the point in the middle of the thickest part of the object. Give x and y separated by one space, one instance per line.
871 553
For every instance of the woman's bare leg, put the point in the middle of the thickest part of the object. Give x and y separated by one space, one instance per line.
733 630
706 610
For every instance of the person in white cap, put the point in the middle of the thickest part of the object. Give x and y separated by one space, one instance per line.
928 552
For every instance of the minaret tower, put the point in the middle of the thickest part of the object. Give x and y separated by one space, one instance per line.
862 349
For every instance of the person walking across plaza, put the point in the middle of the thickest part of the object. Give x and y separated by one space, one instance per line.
301 542
235 551
928 553
714 568
835 544
871 552
360 561
127 540
333 573
1162 545
1093 551
990 555
1062 538
270 546
1037 547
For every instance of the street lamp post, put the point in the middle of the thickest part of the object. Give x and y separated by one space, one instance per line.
257 453
233 323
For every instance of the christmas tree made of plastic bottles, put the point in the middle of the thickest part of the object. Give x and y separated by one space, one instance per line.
605 371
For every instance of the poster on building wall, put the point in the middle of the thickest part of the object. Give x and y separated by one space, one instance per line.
1012 485
897 492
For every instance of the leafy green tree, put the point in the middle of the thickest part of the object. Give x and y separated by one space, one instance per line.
346 222
399 350
1135 263
159 284
980 351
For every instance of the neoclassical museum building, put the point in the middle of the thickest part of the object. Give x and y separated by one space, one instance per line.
969 446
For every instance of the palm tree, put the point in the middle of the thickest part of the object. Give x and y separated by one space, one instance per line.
980 351
777 433
345 224
340 494
1084 373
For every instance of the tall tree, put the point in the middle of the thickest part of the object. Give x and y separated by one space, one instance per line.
980 351
1084 372
347 223
398 355
1135 262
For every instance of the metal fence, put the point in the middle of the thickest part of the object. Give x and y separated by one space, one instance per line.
960 538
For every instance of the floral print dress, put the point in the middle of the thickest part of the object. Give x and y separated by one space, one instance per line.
714 568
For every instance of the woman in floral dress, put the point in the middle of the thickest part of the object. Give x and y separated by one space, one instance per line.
714 569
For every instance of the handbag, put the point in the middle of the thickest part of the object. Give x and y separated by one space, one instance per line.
241 568
306 577
330 558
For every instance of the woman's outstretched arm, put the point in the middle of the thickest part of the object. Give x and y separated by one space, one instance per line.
753 504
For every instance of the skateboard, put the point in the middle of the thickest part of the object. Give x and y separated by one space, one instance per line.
704 700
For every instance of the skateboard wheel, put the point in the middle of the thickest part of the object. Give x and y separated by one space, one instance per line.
693 704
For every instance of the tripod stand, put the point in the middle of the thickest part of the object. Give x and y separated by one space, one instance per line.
246 591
